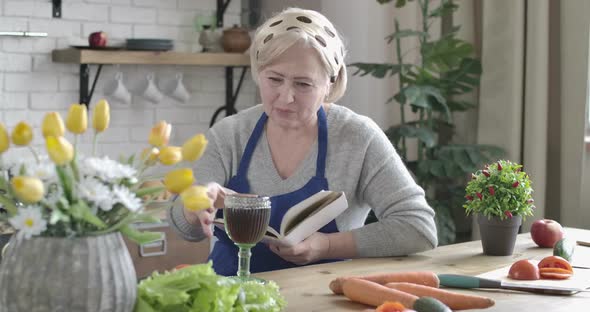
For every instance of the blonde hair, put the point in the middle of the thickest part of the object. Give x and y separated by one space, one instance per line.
294 25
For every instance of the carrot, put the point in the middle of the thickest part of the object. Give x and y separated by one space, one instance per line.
373 294
417 277
455 301
390 306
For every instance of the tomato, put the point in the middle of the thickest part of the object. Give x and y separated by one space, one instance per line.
555 262
524 270
555 273
555 267
180 266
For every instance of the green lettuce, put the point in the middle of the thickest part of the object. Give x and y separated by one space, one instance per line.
198 288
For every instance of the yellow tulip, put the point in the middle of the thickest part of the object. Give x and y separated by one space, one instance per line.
52 125
22 134
193 148
178 180
170 155
4 139
77 120
160 134
59 150
101 116
28 189
195 198
149 156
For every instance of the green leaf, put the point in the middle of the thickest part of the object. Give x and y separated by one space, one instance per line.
149 191
466 77
445 54
446 7
459 106
406 33
378 70
425 135
65 181
81 211
437 168
138 236
9 205
58 216
146 218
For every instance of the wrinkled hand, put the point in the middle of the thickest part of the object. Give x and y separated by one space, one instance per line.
205 217
312 249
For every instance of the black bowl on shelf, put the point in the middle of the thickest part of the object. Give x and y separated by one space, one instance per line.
150 44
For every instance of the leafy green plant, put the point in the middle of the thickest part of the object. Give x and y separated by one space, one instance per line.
432 89
501 190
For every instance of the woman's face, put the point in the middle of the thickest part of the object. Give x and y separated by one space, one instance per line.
293 87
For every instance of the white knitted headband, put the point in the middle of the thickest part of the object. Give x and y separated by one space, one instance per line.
315 25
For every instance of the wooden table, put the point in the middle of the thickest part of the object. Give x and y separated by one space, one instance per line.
306 288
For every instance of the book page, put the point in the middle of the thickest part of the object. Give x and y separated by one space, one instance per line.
310 211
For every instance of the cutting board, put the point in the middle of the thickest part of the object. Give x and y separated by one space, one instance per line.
580 279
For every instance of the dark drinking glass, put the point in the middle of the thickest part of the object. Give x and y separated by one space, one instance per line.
246 219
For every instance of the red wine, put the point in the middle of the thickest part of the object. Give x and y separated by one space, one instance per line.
246 225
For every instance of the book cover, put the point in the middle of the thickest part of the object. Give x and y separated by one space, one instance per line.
304 219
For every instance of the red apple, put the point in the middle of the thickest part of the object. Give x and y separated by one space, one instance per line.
97 39
546 232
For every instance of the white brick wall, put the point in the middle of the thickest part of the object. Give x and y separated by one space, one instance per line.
31 84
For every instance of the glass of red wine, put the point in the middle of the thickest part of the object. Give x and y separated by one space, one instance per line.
246 219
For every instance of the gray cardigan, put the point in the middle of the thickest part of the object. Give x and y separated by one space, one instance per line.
361 162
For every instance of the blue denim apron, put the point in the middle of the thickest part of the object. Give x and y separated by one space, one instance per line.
225 253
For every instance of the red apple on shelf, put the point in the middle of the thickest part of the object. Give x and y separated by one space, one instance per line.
97 39
546 232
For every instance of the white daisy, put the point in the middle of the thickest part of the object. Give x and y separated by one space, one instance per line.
126 198
44 170
54 194
94 191
106 169
29 221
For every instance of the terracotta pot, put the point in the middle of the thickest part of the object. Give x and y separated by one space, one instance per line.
48 274
498 236
235 40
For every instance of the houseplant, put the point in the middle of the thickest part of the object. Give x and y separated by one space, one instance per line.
501 196
432 91
69 211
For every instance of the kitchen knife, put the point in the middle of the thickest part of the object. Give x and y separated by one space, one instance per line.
465 281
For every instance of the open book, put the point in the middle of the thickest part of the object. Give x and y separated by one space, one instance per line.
304 219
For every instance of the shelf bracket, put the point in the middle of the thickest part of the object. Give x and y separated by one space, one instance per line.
230 95
221 7
56 8
85 94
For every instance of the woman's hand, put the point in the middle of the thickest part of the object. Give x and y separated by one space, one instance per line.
205 217
312 249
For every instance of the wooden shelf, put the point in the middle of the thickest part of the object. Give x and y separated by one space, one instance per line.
88 56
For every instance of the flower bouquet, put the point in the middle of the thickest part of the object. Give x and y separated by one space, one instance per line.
67 194
501 196
69 211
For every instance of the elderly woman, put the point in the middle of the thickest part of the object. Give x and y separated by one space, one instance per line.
298 142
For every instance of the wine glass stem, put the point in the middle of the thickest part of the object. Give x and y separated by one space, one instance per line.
244 260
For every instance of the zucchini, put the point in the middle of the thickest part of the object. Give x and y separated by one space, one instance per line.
565 249
429 304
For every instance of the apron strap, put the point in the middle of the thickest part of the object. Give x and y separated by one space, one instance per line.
251 145
322 143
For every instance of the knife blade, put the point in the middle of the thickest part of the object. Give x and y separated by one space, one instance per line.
465 281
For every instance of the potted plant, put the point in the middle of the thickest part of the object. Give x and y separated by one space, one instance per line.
69 211
430 95
501 196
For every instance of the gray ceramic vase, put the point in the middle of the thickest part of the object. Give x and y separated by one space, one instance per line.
48 274
498 236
